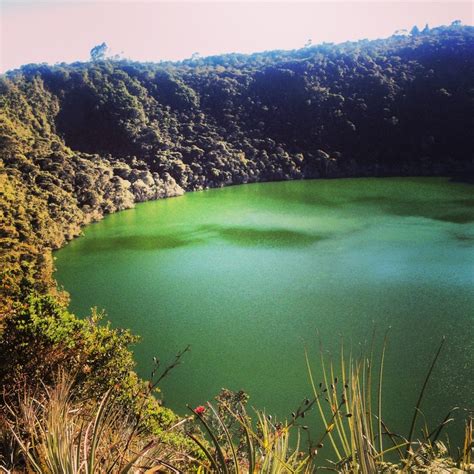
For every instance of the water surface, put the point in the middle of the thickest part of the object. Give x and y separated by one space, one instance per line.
249 275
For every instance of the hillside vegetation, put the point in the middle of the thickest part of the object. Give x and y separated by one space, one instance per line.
78 141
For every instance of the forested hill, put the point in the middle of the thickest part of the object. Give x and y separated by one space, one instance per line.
84 139
81 140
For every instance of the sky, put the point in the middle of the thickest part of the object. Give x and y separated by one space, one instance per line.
66 30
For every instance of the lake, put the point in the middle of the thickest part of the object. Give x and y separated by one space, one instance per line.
250 275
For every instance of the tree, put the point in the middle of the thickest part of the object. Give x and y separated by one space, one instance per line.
415 31
99 52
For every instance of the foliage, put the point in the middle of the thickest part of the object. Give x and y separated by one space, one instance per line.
43 339
242 444
57 433
52 429
44 336
98 52
82 140
349 407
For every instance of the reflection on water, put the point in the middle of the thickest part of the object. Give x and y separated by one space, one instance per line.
252 236
243 236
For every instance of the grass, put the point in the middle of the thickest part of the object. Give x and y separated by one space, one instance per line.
57 434
60 435
240 443
350 408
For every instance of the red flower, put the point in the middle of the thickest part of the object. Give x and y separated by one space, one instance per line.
200 410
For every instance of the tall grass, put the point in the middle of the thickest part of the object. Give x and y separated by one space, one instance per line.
239 443
350 408
59 435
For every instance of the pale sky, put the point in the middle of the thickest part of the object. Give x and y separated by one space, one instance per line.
65 31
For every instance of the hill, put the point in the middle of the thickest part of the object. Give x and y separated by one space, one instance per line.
82 140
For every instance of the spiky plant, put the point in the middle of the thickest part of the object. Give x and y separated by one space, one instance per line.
350 408
238 444
59 435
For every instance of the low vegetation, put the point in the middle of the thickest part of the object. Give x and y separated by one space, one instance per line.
53 429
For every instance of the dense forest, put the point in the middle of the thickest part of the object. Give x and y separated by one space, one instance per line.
78 141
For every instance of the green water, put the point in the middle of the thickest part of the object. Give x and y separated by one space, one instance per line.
248 275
